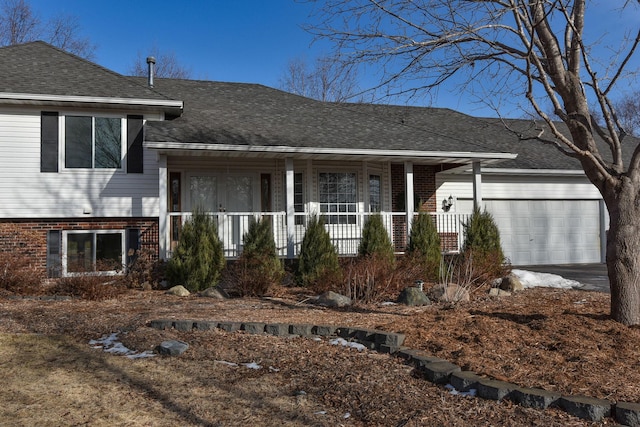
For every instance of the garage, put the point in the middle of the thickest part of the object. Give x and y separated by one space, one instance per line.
536 232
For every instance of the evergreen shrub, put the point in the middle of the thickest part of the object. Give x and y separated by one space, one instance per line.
318 257
258 268
424 245
198 259
482 247
375 240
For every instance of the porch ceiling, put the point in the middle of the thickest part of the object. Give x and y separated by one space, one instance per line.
247 151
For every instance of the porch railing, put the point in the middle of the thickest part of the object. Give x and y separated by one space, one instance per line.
345 229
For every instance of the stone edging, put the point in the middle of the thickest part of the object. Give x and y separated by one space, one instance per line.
433 369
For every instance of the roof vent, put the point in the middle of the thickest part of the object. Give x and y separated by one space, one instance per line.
152 65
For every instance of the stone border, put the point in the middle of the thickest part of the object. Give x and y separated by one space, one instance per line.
433 369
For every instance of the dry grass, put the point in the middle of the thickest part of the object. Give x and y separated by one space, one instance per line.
557 339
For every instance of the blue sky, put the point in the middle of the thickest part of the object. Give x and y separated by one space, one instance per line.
226 40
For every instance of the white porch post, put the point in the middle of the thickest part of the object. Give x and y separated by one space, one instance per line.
291 223
408 174
477 186
163 214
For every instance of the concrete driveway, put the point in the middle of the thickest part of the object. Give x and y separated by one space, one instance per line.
593 276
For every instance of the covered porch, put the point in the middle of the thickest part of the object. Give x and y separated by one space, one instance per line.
344 188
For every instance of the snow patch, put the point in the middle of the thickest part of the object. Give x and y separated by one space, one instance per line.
110 344
530 279
345 343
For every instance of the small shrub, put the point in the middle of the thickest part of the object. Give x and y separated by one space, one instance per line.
368 279
198 258
258 268
375 240
318 257
92 287
424 245
19 275
145 270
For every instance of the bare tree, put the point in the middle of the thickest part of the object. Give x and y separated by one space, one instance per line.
629 112
327 80
167 65
537 50
20 24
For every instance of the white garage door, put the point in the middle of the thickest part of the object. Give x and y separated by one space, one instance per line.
548 231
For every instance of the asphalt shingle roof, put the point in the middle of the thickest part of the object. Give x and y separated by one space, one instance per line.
251 114
39 68
256 115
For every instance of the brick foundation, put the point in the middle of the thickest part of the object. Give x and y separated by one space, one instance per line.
29 237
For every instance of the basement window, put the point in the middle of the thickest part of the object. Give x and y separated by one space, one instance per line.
101 252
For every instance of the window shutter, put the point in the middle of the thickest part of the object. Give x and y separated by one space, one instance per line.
132 245
49 141
134 144
54 261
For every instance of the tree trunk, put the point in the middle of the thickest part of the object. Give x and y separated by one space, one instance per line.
623 255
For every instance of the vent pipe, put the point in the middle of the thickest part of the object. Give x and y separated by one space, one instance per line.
152 65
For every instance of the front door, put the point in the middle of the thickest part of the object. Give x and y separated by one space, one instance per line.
231 198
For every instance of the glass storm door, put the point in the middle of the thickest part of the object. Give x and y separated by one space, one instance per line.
232 198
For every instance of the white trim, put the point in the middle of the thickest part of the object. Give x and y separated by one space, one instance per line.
94 233
290 209
281 149
558 172
163 202
90 99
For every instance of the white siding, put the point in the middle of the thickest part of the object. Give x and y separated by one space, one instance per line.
27 193
509 187
542 219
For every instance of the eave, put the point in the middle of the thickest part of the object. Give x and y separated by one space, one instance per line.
45 100
420 157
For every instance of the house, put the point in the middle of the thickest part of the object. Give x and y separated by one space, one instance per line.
95 165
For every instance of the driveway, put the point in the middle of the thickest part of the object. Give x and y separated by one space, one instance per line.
593 276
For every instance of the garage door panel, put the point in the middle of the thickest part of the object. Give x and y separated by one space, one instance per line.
548 231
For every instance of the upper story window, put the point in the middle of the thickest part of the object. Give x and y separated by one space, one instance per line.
93 142
87 142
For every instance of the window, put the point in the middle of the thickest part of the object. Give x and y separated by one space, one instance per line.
374 193
93 142
93 251
338 197
298 197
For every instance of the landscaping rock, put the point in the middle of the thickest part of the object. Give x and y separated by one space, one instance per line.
497 292
628 413
172 348
465 380
587 408
534 397
449 293
253 327
413 296
333 299
438 372
184 325
179 291
511 283
213 292
495 390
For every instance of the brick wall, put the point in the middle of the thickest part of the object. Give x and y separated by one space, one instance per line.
29 237
424 188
